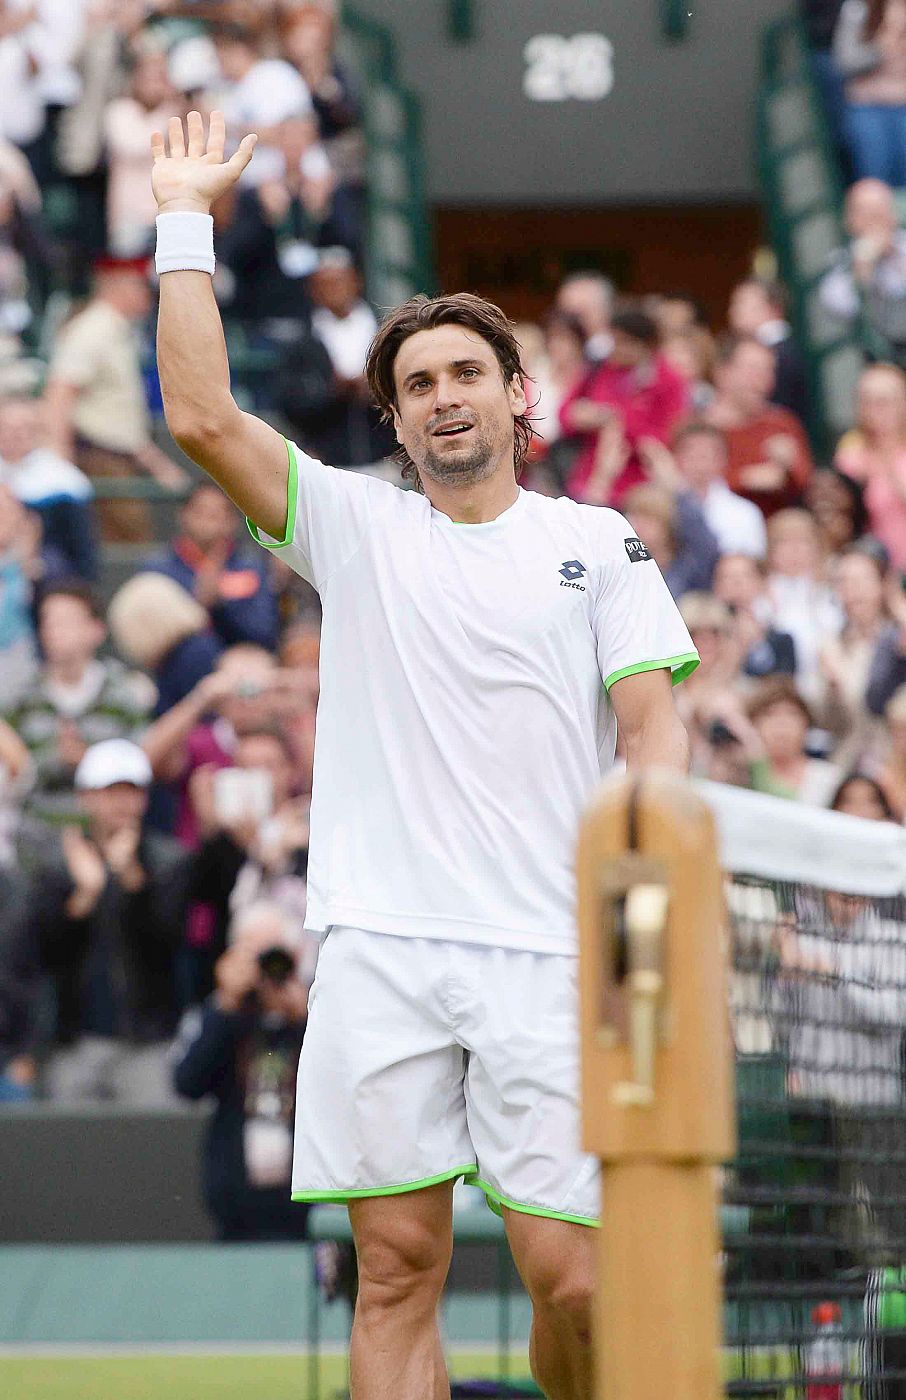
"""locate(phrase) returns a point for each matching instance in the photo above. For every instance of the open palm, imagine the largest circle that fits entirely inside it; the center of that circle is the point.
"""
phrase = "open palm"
(195, 173)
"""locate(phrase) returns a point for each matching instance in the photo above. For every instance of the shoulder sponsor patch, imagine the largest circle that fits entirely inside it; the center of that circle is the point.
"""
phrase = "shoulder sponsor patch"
(636, 550)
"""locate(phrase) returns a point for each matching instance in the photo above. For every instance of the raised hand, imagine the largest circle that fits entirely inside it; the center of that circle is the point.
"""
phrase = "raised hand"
(195, 173)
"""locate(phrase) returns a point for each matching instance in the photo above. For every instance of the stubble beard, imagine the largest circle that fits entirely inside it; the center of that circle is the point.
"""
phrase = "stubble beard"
(459, 470)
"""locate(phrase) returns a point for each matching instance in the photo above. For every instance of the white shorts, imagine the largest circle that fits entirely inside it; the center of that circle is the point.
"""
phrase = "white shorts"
(425, 1061)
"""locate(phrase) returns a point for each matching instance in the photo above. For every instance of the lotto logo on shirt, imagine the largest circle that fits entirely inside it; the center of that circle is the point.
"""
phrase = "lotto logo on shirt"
(636, 550)
(572, 570)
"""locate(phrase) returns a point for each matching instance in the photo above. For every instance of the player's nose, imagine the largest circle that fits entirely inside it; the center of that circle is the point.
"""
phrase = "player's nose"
(447, 394)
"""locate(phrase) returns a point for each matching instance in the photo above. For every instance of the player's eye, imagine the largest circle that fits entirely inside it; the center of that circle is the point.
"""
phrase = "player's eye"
(471, 372)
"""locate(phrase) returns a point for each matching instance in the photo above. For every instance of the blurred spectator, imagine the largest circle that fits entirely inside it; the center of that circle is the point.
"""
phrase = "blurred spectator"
(308, 39)
(29, 260)
(802, 602)
(673, 530)
(887, 672)
(861, 796)
(780, 721)
(847, 660)
(873, 453)
(48, 484)
(740, 582)
(109, 918)
(230, 582)
(676, 313)
(589, 298)
(837, 506)
(159, 627)
(555, 370)
(702, 704)
(17, 638)
(246, 690)
(870, 50)
(15, 778)
(890, 771)
(18, 990)
(691, 353)
(758, 308)
(700, 451)
(242, 1047)
(97, 414)
(769, 458)
(22, 102)
(259, 95)
(321, 385)
(865, 287)
(820, 17)
(129, 123)
(76, 700)
(271, 245)
(255, 835)
(636, 388)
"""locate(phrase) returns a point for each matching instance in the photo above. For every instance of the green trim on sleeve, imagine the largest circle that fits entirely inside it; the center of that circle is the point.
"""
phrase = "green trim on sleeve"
(496, 1202)
(340, 1196)
(680, 667)
(292, 498)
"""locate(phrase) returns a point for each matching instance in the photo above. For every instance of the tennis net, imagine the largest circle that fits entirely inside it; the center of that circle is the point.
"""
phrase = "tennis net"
(814, 1215)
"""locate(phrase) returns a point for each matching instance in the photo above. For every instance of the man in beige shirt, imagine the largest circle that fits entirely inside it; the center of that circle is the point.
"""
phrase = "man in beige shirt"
(95, 398)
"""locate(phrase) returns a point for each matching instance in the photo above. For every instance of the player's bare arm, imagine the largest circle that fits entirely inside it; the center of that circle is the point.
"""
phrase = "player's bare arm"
(245, 456)
(652, 731)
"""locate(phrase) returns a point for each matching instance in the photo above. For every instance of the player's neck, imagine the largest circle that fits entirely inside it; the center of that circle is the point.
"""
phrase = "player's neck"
(476, 504)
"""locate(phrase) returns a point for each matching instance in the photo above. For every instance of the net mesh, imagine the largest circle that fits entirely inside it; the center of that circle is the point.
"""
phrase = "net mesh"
(814, 1213)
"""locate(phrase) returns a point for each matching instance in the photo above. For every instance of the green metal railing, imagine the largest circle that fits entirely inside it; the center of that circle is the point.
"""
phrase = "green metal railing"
(399, 256)
(675, 18)
(802, 191)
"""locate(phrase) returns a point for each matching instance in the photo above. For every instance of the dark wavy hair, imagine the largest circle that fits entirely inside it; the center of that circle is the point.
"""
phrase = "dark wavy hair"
(422, 313)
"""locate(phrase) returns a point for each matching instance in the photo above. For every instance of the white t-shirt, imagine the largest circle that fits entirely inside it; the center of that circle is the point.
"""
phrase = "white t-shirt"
(346, 338)
(271, 92)
(737, 524)
(463, 724)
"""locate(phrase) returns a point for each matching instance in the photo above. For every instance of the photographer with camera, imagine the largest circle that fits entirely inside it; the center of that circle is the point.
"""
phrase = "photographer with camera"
(242, 1047)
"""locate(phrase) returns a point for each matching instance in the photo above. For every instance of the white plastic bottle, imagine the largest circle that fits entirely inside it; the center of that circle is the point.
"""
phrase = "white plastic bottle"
(825, 1355)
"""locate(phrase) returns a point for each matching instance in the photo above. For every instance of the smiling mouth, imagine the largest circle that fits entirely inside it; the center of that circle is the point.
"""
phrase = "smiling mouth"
(452, 430)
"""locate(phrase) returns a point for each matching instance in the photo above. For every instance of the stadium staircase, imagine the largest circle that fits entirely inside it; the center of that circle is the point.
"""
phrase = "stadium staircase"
(802, 189)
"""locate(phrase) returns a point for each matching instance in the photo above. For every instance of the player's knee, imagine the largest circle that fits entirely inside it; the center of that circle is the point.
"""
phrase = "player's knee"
(407, 1265)
(565, 1294)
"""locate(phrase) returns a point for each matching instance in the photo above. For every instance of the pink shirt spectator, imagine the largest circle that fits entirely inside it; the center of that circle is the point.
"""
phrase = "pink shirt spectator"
(651, 405)
(884, 480)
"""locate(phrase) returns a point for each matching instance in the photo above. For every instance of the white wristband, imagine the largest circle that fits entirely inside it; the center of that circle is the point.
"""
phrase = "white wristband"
(185, 243)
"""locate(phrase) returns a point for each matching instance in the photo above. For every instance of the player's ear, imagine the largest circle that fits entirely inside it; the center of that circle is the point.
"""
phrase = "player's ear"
(397, 427)
(516, 395)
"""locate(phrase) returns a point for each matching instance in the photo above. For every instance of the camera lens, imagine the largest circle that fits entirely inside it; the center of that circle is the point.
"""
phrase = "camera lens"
(277, 965)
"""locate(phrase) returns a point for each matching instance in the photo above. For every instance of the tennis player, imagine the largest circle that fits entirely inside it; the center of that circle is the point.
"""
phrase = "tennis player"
(480, 646)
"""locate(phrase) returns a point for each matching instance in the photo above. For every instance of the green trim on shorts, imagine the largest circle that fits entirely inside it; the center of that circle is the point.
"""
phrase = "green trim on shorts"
(292, 499)
(496, 1201)
(680, 668)
(340, 1196)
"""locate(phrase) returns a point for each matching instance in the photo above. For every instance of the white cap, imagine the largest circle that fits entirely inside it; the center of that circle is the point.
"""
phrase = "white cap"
(193, 64)
(113, 761)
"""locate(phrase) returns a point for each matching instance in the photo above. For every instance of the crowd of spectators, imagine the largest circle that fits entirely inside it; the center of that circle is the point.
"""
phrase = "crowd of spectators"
(156, 744)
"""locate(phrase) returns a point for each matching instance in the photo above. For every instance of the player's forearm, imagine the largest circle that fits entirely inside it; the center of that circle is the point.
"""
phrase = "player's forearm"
(661, 745)
(192, 362)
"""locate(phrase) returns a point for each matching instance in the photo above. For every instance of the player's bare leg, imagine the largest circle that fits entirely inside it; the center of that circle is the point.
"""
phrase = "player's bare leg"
(404, 1245)
(556, 1264)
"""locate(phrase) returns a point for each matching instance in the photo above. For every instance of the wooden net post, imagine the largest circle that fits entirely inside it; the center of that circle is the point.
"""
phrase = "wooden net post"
(657, 1083)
